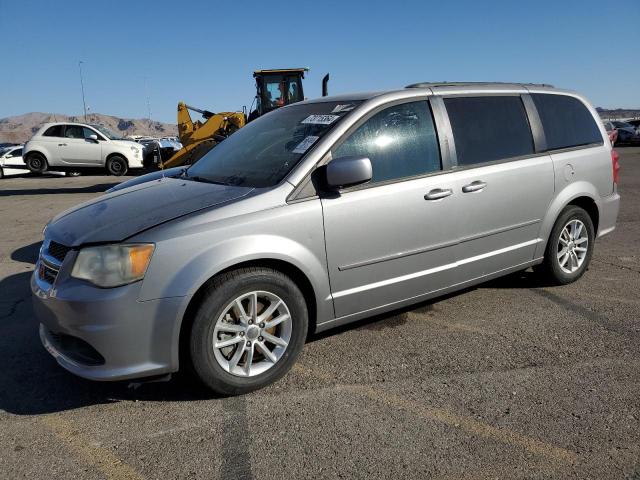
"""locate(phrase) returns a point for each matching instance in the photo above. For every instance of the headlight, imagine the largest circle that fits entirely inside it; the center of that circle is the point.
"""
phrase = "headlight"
(113, 265)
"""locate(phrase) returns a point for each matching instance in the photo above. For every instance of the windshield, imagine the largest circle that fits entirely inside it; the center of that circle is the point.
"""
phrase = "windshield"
(262, 153)
(107, 133)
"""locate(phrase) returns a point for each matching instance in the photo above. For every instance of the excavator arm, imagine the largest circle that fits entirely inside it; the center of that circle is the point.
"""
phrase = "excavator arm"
(198, 138)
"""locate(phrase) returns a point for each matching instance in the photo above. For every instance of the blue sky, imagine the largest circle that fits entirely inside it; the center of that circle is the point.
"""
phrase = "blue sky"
(203, 52)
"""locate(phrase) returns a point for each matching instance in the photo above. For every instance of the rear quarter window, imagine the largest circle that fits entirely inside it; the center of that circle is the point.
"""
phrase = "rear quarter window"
(566, 121)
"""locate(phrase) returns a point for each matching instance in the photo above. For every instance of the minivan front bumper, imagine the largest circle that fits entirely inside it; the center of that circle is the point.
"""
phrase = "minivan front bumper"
(107, 334)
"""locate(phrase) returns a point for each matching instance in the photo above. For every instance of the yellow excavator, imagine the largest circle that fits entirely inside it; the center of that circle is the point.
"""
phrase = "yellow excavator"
(275, 88)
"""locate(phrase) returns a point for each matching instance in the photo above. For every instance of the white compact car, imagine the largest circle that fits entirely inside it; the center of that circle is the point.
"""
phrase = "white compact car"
(11, 161)
(76, 146)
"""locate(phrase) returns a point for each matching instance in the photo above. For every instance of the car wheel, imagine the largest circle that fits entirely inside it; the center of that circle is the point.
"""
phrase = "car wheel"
(117, 166)
(247, 331)
(569, 248)
(36, 163)
(1, 173)
(72, 173)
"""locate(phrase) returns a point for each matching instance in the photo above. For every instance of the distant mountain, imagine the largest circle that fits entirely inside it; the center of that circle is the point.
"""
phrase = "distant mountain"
(20, 128)
(621, 113)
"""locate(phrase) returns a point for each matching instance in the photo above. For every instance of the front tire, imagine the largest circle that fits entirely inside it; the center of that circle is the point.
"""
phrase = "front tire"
(117, 166)
(247, 331)
(37, 163)
(570, 247)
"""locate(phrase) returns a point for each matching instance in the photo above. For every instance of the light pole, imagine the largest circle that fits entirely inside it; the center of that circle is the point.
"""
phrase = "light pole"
(146, 88)
(84, 105)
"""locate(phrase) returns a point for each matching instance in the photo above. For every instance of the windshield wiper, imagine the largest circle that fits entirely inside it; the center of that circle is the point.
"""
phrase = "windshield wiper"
(202, 179)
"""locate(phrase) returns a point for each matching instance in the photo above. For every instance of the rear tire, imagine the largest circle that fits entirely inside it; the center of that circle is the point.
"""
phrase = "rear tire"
(117, 166)
(566, 257)
(244, 365)
(37, 163)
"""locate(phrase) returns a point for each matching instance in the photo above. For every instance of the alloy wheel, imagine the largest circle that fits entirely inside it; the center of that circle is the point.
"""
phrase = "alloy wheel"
(573, 245)
(252, 333)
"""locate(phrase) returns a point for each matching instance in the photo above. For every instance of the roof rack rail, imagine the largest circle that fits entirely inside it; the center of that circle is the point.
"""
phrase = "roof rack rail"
(463, 84)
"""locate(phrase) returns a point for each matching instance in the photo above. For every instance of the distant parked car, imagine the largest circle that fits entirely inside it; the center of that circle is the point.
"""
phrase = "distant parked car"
(635, 124)
(11, 161)
(158, 150)
(6, 145)
(611, 131)
(75, 146)
(627, 133)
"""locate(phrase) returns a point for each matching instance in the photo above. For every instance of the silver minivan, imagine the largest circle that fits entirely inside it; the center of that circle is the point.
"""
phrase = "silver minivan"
(318, 214)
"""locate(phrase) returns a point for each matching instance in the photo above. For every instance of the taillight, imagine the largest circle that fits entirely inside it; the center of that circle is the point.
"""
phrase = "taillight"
(615, 164)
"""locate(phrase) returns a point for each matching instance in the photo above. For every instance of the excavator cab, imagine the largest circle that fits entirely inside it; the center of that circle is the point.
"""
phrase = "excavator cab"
(277, 88)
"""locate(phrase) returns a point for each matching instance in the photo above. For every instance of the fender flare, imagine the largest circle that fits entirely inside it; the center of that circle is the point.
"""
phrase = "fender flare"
(566, 196)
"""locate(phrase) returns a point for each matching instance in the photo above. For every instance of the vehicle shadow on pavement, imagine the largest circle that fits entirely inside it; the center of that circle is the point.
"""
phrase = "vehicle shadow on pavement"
(98, 188)
(27, 254)
(518, 280)
(32, 383)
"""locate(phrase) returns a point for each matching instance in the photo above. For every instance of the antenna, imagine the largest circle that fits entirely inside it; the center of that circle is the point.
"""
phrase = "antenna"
(146, 89)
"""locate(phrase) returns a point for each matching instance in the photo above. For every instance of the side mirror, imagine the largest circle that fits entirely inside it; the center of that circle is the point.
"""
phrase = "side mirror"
(93, 137)
(348, 171)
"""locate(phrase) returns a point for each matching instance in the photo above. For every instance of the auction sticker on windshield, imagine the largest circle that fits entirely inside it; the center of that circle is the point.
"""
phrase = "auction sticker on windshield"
(304, 145)
(321, 119)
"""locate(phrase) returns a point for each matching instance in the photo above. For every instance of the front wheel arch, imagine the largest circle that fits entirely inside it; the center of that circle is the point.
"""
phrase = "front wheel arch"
(286, 268)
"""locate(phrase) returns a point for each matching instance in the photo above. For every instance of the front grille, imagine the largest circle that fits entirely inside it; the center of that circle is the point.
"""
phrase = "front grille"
(58, 251)
(47, 273)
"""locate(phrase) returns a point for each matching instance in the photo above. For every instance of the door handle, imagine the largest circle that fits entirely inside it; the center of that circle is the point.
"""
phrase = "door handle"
(438, 193)
(62, 144)
(474, 186)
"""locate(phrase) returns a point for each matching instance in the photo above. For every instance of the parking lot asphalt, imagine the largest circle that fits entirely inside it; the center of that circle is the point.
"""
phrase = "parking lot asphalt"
(510, 379)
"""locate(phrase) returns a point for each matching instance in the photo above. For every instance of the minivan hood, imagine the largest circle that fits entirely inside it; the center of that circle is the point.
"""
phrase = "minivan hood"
(121, 214)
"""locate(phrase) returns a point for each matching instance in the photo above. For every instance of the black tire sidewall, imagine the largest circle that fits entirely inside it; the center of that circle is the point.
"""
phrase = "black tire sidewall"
(203, 361)
(553, 267)
(117, 159)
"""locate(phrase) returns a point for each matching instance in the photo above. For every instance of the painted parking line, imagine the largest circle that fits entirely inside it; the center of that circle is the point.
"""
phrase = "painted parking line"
(468, 424)
(90, 454)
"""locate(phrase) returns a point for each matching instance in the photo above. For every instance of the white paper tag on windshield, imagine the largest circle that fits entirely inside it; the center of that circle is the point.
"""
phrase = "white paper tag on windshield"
(321, 119)
(304, 145)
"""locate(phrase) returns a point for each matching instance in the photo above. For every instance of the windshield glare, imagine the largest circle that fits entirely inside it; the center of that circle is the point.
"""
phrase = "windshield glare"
(262, 153)
(107, 133)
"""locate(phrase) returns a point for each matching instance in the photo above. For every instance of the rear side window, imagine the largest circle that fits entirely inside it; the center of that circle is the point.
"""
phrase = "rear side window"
(486, 129)
(55, 131)
(74, 131)
(566, 121)
(400, 141)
